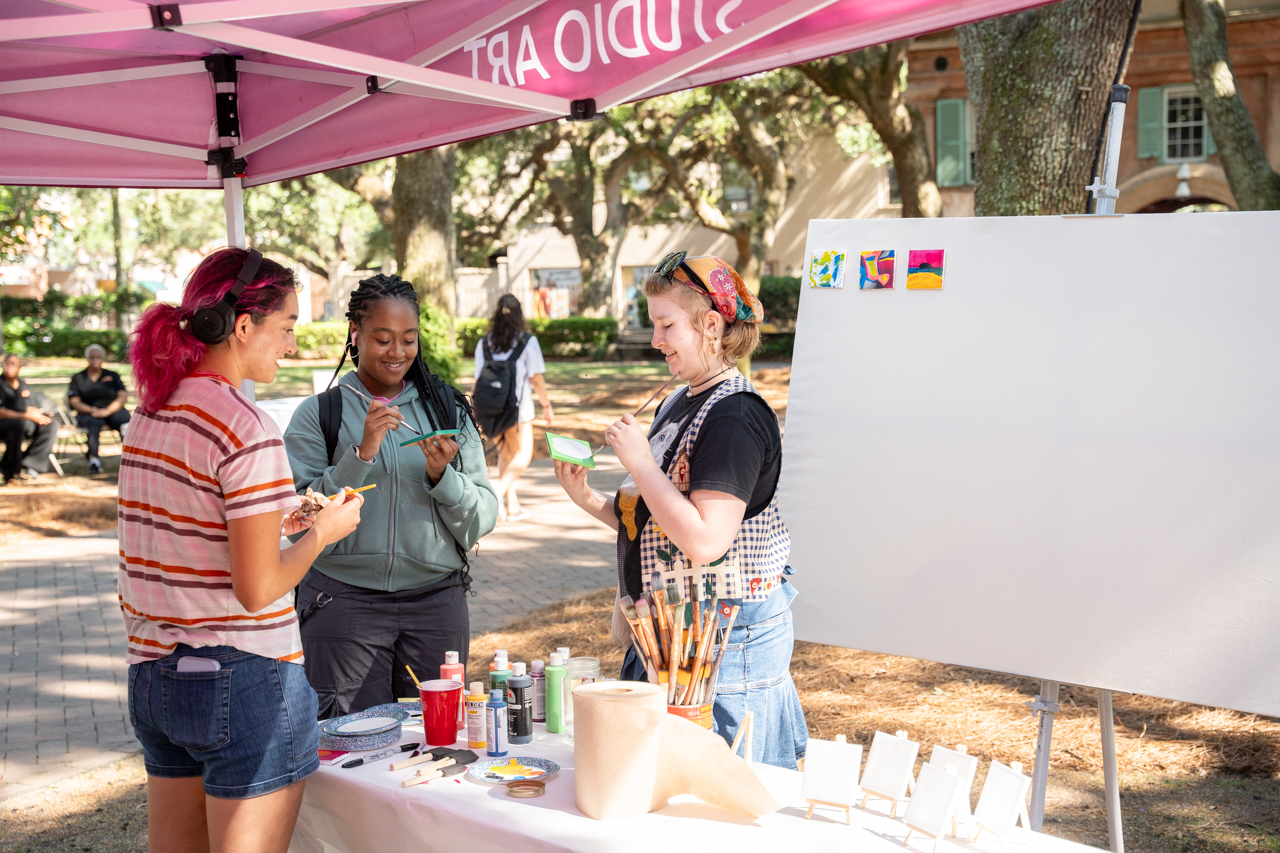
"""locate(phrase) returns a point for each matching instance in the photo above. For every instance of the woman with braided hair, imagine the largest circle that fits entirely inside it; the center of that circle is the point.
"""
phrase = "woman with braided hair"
(394, 592)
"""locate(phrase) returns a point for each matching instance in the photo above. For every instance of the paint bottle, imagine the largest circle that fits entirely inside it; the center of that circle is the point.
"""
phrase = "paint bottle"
(498, 678)
(555, 693)
(476, 699)
(538, 672)
(564, 654)
(498, 655)
(455, 671)
(519, 705)
(495, 716)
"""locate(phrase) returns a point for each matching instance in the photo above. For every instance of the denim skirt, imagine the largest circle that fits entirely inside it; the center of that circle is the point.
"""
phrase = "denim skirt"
(247, 730)
(756, 676)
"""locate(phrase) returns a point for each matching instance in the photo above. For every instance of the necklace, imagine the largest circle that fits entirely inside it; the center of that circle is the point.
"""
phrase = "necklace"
(706, 381)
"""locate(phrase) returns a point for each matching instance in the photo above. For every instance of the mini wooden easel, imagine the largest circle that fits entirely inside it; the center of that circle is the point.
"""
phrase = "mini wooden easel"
(848, 819)
(744, 729)
(933, 804)
(894, 800)
(1023, 816)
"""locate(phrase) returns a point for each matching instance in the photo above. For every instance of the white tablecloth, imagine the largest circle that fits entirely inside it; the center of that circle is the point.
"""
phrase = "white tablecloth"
(364, 810)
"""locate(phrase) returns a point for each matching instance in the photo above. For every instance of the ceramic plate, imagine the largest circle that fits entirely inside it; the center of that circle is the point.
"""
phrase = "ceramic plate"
(500, 771)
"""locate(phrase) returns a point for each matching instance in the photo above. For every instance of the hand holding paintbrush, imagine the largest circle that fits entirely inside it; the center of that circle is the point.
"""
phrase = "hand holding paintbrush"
(637, 412)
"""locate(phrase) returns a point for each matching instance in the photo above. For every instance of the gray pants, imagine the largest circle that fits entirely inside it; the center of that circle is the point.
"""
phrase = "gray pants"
(357, 641)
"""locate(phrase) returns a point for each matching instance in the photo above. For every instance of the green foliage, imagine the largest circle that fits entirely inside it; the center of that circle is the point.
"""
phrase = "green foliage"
(780, 296)
(775, 346)
(567, 337)
(642, 310)
(60, 308)
(313, 222)
(436, 343)
(28, 337)
(320, 340)
(27, 220)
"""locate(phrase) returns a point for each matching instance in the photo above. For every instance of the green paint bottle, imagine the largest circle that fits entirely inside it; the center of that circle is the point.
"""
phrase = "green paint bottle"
(498, 678)
(556, 671)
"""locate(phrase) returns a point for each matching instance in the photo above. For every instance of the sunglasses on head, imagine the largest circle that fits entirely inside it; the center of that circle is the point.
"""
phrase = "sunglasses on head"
(675, 261)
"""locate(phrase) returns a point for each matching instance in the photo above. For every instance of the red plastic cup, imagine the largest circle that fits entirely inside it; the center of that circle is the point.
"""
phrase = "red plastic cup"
(440, 700)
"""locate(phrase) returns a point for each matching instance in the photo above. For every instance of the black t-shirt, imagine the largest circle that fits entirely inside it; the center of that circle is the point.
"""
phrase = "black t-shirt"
(96, 394)
(15, 399)
(738, 451)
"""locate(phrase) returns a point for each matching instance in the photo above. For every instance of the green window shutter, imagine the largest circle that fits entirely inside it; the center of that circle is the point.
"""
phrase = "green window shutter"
(953, 166)
(1150, 121)
(1209, 147)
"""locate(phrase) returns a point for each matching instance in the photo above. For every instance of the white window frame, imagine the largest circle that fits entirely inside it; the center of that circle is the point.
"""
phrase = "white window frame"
(970, 144)
(1181, 92)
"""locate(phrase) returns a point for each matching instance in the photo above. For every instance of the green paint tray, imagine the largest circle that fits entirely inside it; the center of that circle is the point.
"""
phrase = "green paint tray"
(567, 449)
(416, 439)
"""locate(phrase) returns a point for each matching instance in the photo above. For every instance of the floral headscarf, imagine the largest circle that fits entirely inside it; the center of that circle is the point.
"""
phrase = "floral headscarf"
(725, 287)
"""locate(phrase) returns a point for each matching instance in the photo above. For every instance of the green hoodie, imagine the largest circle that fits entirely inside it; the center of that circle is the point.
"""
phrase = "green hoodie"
(407, 526)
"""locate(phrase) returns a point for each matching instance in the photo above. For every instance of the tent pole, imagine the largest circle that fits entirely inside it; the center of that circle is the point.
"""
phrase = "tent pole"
(233, 201)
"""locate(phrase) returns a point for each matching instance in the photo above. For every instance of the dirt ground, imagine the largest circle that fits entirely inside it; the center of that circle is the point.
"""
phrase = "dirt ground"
(1192, 778)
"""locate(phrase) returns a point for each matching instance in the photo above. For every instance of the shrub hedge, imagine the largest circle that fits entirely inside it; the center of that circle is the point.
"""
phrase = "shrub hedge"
(38, 338)
(780, 296)
(326, 339)
(570, 336)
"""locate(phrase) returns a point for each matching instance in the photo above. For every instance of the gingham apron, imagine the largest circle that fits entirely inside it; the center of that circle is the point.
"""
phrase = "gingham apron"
(751, 568)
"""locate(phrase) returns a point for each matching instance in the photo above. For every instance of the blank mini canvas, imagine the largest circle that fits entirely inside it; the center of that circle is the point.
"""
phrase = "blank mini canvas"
(932, 801)
(831, 771)
(875, 270)
(966, 768)
(924, 269)
(1003, 796)
(889, 766)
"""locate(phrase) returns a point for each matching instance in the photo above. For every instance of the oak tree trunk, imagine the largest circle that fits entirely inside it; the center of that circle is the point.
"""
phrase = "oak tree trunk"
(1254, 183)
(871, 79)
(423, 226)
(1039, 81)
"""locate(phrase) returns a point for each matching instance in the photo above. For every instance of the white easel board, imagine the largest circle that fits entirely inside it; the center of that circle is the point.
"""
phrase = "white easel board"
(1065, 464)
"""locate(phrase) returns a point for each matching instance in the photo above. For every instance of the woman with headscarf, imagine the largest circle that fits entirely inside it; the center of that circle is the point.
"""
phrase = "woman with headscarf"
(701, 490)
(98, 395)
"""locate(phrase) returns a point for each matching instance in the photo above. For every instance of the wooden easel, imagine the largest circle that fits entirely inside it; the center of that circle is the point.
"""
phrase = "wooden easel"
(893, 801)
(848, 818)
(745, 729)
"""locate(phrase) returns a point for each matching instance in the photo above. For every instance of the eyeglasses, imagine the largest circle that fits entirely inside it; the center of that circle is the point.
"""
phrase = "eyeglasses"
(675, 261)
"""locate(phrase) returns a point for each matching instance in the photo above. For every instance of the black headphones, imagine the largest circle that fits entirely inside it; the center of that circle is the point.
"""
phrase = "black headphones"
(214, 325)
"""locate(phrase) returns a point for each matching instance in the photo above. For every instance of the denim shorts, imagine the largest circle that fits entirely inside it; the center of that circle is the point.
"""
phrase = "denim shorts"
(247, 730)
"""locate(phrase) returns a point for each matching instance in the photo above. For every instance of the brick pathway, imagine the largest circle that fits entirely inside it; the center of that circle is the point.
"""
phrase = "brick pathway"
(62, 645)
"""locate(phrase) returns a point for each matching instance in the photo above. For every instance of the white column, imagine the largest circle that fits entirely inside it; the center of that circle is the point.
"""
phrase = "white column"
(233, 201)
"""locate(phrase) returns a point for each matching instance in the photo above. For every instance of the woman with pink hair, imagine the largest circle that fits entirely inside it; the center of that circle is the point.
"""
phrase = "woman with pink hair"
(205, 494)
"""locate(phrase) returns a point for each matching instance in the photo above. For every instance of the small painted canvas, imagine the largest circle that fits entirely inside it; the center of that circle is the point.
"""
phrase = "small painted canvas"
(924, 269)
(826, 269)
(876, 270)
(889, 766)
(567, 449)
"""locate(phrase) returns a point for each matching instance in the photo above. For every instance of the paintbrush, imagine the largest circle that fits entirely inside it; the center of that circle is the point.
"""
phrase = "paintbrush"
(715, 670)
(646, 625)
(660, 610)
(421, 758)
(370, 401)
(674, 661)
(416, 682)
(642, 642)
(637, 412)
(699, 661)
(453, 756)
(353, 491)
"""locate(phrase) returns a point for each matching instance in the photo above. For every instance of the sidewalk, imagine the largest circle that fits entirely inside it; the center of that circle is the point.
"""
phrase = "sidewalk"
(62, 642)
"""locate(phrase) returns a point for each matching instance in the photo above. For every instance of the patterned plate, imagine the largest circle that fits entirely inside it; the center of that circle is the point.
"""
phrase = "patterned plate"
(500, 771)
(349, 734)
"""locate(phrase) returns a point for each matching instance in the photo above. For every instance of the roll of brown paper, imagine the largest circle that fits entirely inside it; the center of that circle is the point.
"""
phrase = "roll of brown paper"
(617, 735)
(631, 756)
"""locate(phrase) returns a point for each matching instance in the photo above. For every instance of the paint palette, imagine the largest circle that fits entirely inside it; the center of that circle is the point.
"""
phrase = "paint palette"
(568, 449)
(500, 771)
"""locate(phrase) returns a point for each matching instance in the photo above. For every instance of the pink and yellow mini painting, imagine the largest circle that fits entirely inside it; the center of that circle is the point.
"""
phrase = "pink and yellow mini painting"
(876, 270)
(924, 269)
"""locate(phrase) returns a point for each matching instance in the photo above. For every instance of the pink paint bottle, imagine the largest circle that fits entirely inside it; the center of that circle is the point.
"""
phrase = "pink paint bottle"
(455, 671)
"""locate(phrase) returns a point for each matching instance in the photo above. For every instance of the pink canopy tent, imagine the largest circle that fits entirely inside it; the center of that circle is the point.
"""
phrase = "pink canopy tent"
(234, 93)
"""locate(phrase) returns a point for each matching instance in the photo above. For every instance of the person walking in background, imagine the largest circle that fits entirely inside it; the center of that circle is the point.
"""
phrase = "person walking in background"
(20, 420)
(217, 693)
(97, 395)
(509, 371)
(395, 593)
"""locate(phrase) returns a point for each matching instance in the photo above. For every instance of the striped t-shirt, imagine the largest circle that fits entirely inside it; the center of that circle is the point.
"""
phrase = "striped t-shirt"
(207, 456)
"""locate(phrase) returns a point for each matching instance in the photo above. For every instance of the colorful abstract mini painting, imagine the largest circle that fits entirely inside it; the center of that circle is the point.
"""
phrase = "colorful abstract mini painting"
(827, 270)
(877, 270)
(924, 269)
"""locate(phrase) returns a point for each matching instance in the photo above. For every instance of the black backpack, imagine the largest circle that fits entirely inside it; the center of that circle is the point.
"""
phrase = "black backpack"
(495, 397)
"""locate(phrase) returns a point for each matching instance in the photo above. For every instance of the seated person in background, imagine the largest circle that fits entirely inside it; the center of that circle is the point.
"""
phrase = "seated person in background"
(98, 396)
(21, 419)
